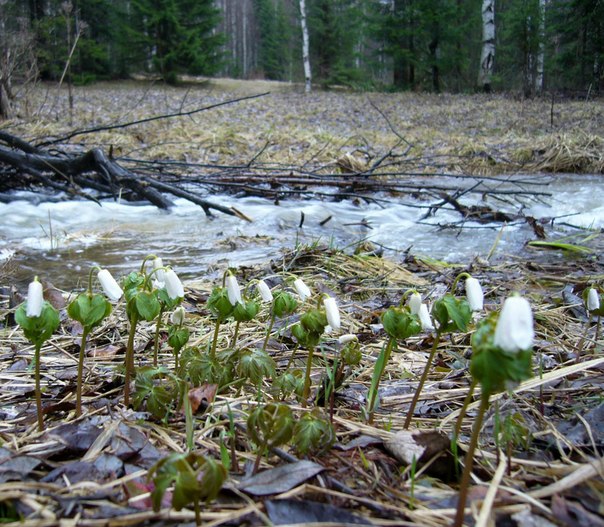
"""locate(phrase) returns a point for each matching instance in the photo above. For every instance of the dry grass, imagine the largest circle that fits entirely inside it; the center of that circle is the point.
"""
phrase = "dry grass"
(476, 134)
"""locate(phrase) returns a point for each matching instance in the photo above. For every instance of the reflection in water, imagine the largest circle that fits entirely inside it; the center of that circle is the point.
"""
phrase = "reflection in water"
(60, 241)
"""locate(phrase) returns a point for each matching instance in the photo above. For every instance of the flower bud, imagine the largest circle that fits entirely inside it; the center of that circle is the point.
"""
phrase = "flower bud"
(233, 290)
(332, 313)
(424, 318)
(265, 291)
(514, 331)
(415, 301)
(474, 294)
(593, 299)
(160, 273)
(35, 299)
(178, 316)
(110, 287)
(173, 285)
(302, 289)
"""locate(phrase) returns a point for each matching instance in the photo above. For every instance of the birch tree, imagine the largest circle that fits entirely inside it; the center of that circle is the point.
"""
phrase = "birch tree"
(305, 48)
(541, 50)
(487, 56)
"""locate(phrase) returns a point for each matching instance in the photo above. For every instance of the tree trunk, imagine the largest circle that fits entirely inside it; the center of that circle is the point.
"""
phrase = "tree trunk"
(487, 56)
(541, 51)
(305, 48)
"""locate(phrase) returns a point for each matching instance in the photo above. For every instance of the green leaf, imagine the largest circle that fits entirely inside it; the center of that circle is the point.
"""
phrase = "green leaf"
(452, 314)
(314, 433)
(38, 329)
(400, 324)
(245, 312)
(256, 365)
(157, 388)
(219, 303)
(147, 305)
(314, 321)
(568, 247)
(495, 369)
(270, 425)
(178, 337)
(284, 304)
(89, 310)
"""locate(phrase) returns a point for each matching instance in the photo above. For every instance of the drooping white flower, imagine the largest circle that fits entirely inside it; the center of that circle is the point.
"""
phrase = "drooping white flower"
(302, 289)
(173, 285)
(178, 316)
(35, 299)
(265, 291)
(110, 286)
(593, 299)
(347, 338)
(415, 302)
(332, 312)
(474, 294)
(160, 273)
(514, 331)
(233, 290)
(424, 318)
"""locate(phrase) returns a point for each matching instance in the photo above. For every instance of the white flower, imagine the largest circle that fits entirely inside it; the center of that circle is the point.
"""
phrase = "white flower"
(178, 316)
(415, 301)
(474, 294)
(159, 274)
(345, 339)
(514, 331)
(265, 291)
(331, 312)
(110, 286)
(233, 290)
(302, 289)
(173, 284)
(593, 299)
(424, 318)
(35, 299)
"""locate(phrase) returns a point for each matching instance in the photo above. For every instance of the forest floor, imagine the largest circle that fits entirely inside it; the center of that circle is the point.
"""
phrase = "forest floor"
(540, 451)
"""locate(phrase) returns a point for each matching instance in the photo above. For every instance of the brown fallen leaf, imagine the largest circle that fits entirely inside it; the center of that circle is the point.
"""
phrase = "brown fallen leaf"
(105, 352)
(203, 394)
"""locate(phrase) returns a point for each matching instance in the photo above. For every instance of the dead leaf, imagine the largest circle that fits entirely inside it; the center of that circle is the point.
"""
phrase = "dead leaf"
(203, 394)
(280, 479)
(14, 467)
(421, 445)
(105, 352)
(573, 514)
(289, 512)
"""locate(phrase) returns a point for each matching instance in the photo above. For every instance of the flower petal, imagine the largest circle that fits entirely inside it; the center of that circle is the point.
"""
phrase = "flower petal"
(514, 331)
(173, 285)
(110, 286)
(35, 299)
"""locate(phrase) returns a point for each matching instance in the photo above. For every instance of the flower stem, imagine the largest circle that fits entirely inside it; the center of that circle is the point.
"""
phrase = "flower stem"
(462, 412)
(129, 360)
(377, 377)
(306, 391)
(156, 338)
(38, 392)
(215, 340)
(235, 335)
(421, 382)
(467, 470)
(268, 332)
(80, 380)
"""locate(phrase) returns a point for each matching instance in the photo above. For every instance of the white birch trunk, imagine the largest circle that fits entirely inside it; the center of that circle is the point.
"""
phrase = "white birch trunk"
(487, 56)
(541, 52)
(305, 48)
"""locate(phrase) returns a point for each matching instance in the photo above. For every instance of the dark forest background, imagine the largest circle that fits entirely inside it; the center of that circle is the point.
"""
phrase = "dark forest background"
(431, 45)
